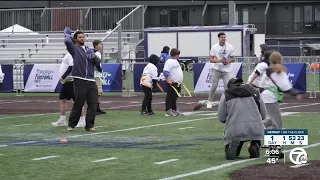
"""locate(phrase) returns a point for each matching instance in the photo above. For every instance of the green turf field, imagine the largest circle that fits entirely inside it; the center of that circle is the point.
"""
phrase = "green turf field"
(135, 142)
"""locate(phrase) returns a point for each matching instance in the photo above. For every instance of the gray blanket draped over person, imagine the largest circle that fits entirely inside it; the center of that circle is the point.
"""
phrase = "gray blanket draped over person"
(242, 111)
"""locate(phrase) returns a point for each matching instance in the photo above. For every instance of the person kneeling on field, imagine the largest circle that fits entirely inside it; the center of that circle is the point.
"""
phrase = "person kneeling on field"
(242, 111)
(148, 82)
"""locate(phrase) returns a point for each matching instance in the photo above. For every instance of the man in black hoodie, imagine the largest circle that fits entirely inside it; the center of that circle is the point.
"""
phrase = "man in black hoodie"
(242, 111)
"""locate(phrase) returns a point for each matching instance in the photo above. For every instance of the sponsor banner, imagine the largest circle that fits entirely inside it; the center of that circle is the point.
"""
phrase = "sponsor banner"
(202, 76)
(41, 77)
(45, 78)
(112, 78)
(7, 82)
(137, 72)
(297, 75)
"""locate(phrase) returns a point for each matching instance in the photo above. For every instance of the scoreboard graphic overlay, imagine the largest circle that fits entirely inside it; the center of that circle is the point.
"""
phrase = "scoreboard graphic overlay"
(278, 138)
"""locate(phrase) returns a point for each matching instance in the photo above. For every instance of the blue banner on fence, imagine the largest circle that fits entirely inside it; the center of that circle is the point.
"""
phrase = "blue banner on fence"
(202, 76)
(7, 84)
(112, 78)
(45, 78)
(297, 75)
(138, 70)
(41, 78)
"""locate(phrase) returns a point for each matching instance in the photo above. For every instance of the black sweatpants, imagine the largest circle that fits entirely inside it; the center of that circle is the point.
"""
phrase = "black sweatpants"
(147, 100)
(84, 91)
(171, 98)
(240, 146)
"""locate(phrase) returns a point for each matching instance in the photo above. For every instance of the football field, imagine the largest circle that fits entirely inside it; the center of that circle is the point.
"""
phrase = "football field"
(127, 145)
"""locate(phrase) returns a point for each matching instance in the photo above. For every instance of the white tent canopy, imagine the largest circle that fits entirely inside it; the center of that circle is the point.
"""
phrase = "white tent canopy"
(17, 29)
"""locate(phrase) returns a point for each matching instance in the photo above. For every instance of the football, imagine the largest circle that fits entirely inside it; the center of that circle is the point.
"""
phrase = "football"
(197, 106)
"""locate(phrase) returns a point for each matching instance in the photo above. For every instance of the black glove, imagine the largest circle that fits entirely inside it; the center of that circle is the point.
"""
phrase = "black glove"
(154, 83)
(99, 68)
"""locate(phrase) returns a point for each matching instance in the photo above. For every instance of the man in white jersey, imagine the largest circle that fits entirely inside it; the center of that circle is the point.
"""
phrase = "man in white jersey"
(66, 92)
(221, 55)
(174, 76)
(97, 45)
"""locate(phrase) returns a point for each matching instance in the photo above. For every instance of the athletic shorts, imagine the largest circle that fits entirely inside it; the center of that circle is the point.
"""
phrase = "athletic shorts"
(99, 85)
(67, 91)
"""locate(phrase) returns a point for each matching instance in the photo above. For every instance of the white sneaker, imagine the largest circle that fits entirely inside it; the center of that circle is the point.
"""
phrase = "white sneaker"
(215, 103)
(170, 113)
(59, 123)
(81, 123)
(209, 105)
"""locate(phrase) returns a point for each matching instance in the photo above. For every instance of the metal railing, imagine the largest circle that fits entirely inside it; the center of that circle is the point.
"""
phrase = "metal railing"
(248, 63)
(56, 19)
(131, 25)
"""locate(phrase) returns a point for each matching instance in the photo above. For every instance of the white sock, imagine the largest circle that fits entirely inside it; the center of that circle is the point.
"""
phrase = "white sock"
(62, 118)
(82, 119)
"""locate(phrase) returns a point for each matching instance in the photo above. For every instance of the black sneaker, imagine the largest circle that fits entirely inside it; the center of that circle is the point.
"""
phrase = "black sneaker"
(232, 150)
(151, 113)
(143, 113)
(254, 150)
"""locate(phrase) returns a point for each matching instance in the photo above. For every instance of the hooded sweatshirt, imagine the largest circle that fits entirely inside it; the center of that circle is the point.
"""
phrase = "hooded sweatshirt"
(242, 113)
(84, 60)
(150, 72)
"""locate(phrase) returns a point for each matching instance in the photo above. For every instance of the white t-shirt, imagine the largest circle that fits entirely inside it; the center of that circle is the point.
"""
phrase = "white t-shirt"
(66, 62)
(261, 68)
(1, 75)
(282, 81)
(173, 66)
(225, 51)
(149, 73)
(96, 72)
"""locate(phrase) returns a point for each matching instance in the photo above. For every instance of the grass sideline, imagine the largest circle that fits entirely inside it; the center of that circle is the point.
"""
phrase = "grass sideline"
(137, 150)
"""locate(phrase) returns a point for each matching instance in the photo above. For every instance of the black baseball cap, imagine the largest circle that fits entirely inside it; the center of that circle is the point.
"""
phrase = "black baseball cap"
(234, 81)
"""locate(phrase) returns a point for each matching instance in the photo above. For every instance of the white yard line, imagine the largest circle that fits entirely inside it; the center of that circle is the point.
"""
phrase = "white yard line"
(22, 125)
(186, 128)
(1, 154)
(214, 168)
(107, 159)
(299, 165)
(25, 142)
(290, 107)
(3, 145)
(121, 130)
(99, 126)
(167, 161)
(140, 127)
(46, 157)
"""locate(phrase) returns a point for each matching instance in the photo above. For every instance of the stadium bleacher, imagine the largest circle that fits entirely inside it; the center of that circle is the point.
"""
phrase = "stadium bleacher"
(50, 48)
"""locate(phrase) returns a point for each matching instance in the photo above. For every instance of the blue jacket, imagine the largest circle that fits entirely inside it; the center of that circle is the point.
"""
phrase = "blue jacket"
(83, 63)
(164, 57)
